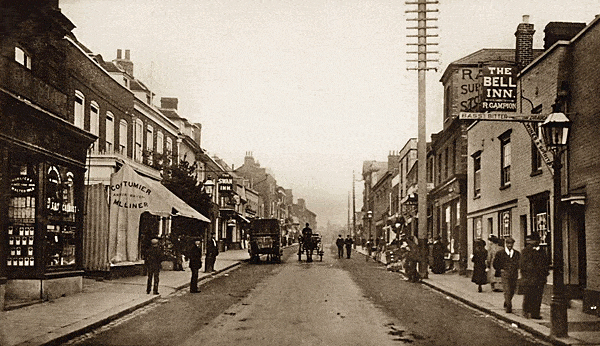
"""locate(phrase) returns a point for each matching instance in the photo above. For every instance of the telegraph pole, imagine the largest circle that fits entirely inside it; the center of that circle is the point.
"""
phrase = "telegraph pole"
(422, 67)
(353, 211)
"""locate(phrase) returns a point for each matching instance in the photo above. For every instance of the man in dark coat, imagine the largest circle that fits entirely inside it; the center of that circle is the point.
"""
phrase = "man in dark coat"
(195, 257)
(348, 243)
(152, 262)
(534, 270)
(340, 245)
(212, 250)
(507, 262)
(307, 242)
(439, 266)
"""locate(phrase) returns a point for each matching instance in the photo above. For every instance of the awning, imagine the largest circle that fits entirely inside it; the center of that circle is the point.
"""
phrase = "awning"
(243, 218)
(167, 203)
(130, 196)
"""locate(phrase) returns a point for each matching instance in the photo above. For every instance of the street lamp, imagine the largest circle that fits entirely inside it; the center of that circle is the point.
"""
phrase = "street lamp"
(555, 131)
(370, 217)
(209, 187)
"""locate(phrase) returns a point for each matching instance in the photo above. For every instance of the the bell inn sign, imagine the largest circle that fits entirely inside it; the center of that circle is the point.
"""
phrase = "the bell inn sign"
(498, 88)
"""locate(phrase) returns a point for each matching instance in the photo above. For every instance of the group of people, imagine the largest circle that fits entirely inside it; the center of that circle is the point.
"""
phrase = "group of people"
(341, 243)
(154, 257)
(503, 265)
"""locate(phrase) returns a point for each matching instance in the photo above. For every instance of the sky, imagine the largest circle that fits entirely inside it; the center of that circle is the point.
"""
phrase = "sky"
(311, 87)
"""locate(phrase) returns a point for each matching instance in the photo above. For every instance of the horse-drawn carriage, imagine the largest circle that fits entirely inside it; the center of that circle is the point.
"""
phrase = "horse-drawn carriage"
(311, 245)
(265, 239)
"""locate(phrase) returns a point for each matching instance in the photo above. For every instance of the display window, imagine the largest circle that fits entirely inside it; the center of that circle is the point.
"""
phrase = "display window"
(61, 213)
(21, 227)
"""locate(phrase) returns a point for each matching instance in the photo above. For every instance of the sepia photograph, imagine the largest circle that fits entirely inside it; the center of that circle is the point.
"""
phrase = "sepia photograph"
(299, 172)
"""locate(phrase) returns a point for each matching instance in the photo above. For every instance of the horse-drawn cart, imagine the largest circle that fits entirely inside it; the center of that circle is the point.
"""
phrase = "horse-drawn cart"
(265, 239)
(309, 246)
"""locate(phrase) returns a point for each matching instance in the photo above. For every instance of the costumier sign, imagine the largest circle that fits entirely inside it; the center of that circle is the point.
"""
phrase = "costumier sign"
(498, 88)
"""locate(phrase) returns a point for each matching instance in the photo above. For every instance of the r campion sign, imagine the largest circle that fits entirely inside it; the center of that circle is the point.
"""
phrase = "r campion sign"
(498, 88)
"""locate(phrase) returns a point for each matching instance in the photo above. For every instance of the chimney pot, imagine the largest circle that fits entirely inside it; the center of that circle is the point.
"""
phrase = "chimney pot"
(126, 54)
(118, 54)
(525, 18)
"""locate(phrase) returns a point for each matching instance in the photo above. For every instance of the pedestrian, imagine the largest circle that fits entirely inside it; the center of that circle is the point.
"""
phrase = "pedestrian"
(507, 262)
(534, 266)
(411, 255)
(348, 243)
(494, 275)
(212, 250)
(340, 245)
(369, 245)
(437, 252)
(479, 259)
(152, 262)
(194, 255)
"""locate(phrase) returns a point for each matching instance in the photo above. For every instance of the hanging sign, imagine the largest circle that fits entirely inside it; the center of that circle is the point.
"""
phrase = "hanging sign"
(498, 88)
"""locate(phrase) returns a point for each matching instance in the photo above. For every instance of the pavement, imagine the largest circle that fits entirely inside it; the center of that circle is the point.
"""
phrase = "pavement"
(56, 321)
(100, 302)
(584, 329)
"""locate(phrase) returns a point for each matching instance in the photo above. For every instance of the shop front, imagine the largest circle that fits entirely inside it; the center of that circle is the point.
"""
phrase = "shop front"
(42, 175)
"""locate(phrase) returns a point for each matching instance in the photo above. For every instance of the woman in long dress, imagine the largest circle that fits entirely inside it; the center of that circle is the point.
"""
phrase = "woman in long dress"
(479, 259)
(495, 281)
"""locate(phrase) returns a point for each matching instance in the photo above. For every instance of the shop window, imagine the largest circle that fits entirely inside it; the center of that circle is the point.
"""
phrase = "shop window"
(21, 228)
(110, 132)
(22, 58)
(505, 223)
(61, 211)
(78, 111)
(123, 137)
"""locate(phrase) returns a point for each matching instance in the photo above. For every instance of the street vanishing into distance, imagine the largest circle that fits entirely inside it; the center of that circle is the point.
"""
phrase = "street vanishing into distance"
(329, 302)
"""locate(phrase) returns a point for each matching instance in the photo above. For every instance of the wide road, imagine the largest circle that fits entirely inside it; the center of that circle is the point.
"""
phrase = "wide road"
(333, 302)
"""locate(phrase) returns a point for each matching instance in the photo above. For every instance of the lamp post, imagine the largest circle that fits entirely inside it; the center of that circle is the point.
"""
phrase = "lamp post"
(555, 131)
(370, 217)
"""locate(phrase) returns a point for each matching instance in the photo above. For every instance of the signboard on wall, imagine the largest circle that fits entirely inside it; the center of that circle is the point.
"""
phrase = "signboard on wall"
(468, 84)
(498, 88)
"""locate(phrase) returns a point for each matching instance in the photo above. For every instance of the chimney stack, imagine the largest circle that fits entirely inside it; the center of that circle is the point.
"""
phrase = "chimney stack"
(169, 102)
(125, 64)
(524, 46)
(559, 31)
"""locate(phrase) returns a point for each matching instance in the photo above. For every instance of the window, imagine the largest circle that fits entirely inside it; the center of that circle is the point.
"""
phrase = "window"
(139, 138)
(477, 174)
(123, 137)
(439, 168)
(477, 228)
(446, 163)
(150, 143)
(170, 150)
(160, 142)
(78, 110)
(505, 157)
(22, 58)
(94, 122)
(110, 131)
(505, 223)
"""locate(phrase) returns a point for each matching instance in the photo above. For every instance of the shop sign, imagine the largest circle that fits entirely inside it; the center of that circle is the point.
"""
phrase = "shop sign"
(468, 85)
(503, 116)
(22, 184)
(225, 184)
(498, 88)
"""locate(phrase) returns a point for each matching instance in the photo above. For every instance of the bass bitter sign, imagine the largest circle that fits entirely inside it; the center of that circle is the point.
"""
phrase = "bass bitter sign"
(503, 116)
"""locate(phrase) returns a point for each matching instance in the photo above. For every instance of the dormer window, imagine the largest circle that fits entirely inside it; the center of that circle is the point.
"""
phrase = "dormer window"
(22, 58)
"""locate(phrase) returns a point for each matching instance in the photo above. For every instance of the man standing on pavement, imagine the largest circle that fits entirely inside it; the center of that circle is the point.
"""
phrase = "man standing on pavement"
(340, 245)
(534, 270)
(307, 242)
(348, 243)
(212, 250)
(507, 262)
(152, 262)
(195, 258)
